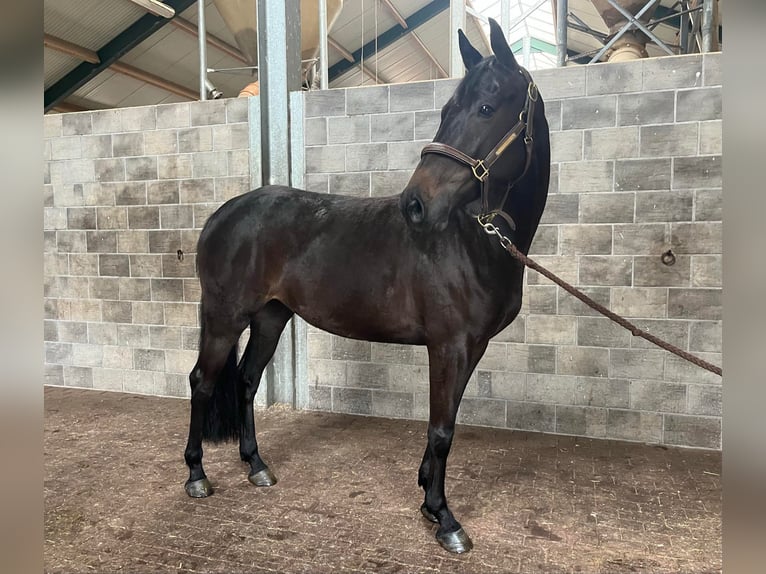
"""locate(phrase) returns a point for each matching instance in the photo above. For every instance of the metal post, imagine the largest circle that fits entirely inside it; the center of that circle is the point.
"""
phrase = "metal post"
(526, 50)
(456, 22)
(707, 25)
(323, 83)
(202, 38)
(562, 14)
(684, 30)
(505, 17)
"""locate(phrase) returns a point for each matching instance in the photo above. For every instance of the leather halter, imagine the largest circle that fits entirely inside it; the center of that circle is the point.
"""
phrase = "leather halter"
(481, 167)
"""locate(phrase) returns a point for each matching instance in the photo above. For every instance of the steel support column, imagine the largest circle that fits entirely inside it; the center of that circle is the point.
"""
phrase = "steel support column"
(505, 17)
(278, 73)
(562, 12)
(323, 67)
(456, 22)
(202, 41)
(707, 25)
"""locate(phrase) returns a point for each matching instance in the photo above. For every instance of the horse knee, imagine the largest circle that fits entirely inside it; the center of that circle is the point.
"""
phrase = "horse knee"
(440, 440)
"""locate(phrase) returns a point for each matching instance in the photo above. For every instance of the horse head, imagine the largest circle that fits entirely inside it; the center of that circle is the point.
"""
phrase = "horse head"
(486, 113)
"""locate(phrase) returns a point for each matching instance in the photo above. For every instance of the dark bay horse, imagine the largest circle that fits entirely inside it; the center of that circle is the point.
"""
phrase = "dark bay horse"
(411, 269)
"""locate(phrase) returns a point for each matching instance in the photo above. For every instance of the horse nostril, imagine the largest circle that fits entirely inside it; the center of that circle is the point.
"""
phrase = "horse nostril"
(415, 210)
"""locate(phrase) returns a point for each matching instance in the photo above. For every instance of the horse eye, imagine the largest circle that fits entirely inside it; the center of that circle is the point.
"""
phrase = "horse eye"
(486, 111)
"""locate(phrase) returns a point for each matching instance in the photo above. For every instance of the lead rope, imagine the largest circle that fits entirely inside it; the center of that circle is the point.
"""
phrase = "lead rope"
(511, 248)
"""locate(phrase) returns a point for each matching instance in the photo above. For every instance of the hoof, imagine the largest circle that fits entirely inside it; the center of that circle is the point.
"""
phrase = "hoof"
(199, 488)
(263, 478)
(456, 542)
(427, 514)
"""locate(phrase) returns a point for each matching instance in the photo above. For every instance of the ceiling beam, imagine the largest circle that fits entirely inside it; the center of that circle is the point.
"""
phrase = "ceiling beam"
(212, 40)
(442, 72)
(72, 49)
(156, 7)
(153, 80)
(395, 13)
(388, 37)
(68, 107)
(343, 52)
(120, 45)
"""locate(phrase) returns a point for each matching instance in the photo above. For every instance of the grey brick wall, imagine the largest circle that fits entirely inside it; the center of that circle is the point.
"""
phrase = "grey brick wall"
(637, 171)
(125, 190)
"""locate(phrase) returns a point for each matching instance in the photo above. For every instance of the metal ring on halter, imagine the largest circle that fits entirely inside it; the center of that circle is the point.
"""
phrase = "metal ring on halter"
(532, 91)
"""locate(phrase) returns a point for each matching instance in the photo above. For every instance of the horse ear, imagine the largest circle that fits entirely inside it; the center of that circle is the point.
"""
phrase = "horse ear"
(471, 55)
(500, 47)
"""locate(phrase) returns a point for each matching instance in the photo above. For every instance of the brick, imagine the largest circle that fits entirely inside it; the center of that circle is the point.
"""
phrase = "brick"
(350, 349)
(179, 362)
(674, 72)
(561, 209)
(542, 301)
(411, 378)
(646, 302)
(87, 355)
(183, 314)
(711, 69)
(504, 385)
(348, 129)
(112, 218)
(699, 104)
(583, 361)
(315, 131)
(202, 213)
(532, 358)
(172, 266)
(607, 208)
(161, 142)
(139, 118)
(697, 238)
(52, 125)
(209, 164)
(705, 336)
(642, 174)
(143, 217)
(325, 103)
(353, 401)
(50, 331)
(134, 290)
(707, 271)
(646, 108)
(195, 140)
(173, 116)
(639, 238)
(443, 90)
(98, 146)
(391, 182)
(108, 170)
(161, 337)
(325, 159)
(581, 421)
(129, 193)
(693, 431)
(320, 398)
(367, 100)
(561, 82)
(208, 112)
(113, 265)
(531, 416)
(167, 289)
(66, 148)
(84, 310)
(549, 389)
(566, 146)
(140, 168)
(657, 396)
(148, 313)
(148, 360)
(58, 353)
(118, 357)
(102, 334)
(393, 127)
(664, 206)
(72, 332)
(695, 304)
(682, 371)
(228, 137)
(353, 184)
(73, 171)
(637, 363)
(553, 114)
(117, 311)
(479, 385)
(650, 271)
(229, 187)
(367, 157)
(404, 155)
(482, 412)
(586, 176)
(101, 241)
(81, 377)
(634, 425)
(545, 241)
(191, 291)
(605, 270)
(564, 266)
(131, 144)
(611, 143)
(669, 140)
(190, 338)
(391, 404)
(411, 96)
(615, 77)
(197, 190)
(711, 137)
(238, 162)
(708, 205)
(426, 124)
(76, 124)
(674, 332)
(551, 329)
(494, 358)
(158, 192)
(695, 172)
(56, 264)
(601, 392)
(588, 113)
(705, 400)
(176, 216)
(54, 375)
(319, 346)
(569, 305)
(601, 332)
(316, 182)
(167, 241)
(236, 110)
(132, 241)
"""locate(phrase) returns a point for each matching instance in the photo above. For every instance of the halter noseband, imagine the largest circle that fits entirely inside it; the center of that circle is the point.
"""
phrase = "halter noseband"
(481, 167)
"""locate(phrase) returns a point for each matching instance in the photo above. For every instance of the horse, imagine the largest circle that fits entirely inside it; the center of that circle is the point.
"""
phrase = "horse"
(414, 268)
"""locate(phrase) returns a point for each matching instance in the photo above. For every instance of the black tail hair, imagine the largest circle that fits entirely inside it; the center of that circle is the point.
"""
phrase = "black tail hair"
(223, 417)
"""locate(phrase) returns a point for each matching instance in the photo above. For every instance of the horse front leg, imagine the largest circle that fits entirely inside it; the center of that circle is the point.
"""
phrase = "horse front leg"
(450, 368)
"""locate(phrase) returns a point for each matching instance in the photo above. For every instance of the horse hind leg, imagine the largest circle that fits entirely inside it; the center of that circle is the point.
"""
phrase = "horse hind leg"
(265, 329)
(213, 373)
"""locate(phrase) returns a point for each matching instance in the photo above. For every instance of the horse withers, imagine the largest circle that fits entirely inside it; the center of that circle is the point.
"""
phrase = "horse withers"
(410, 269)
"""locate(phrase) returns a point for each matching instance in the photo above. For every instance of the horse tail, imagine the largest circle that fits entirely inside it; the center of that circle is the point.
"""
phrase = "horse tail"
(223, 417)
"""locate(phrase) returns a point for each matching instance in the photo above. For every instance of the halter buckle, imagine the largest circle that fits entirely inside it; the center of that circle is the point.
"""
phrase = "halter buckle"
(532, 91)
(480, 175)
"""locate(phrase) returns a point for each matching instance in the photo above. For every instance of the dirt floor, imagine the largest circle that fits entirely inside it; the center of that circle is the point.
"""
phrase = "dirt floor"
(347, 498)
